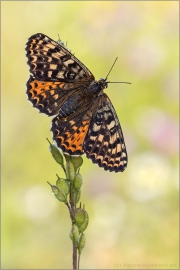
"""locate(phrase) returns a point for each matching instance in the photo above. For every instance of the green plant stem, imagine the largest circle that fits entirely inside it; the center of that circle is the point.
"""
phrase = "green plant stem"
(72, 209)
(74, 257)
(70, 212)
(78, 262)
(71, 187)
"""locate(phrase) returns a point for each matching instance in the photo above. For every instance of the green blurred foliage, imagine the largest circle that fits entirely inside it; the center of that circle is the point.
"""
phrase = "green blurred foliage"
(133, 215)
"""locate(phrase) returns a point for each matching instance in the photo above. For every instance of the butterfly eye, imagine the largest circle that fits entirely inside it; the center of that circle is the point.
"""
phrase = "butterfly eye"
(103, 83)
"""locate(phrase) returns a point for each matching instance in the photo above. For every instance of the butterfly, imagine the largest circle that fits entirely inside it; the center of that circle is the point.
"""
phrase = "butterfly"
(85, 120)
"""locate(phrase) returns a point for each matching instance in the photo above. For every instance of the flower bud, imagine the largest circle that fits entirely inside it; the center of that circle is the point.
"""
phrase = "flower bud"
(77, 181)
(77, 162)
(62, 185)
(67, 157)
(58, 193)
(70, 172)
(56, 153)
(74, 234)
(81, 219)
(76, 195)
(81, 244)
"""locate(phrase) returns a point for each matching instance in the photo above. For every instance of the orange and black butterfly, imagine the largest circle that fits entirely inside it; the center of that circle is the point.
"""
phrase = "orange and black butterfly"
(85, 120)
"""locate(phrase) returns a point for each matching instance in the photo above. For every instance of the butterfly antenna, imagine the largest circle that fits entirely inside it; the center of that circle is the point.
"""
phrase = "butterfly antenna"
(111, 68)
(110, 71)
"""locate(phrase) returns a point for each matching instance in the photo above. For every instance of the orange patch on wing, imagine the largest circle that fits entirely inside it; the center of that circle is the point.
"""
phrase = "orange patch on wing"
(40, 88)
(73, 140)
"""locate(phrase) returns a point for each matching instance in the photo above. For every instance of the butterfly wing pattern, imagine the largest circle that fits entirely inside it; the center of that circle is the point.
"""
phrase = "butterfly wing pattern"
(85, 120)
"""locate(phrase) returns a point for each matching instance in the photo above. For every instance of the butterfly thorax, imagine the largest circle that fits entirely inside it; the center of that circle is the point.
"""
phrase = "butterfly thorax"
(85, 97)
(97, 86)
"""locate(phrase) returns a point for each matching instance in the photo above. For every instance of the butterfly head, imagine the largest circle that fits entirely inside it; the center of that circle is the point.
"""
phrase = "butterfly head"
(103, 83)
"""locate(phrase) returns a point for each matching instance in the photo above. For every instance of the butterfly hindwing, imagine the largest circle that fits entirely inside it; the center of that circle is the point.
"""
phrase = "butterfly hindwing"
(104, 143)
(95, 131)
(70, 132)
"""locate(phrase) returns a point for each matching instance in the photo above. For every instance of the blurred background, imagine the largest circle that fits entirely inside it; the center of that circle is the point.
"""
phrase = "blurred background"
(134, 214)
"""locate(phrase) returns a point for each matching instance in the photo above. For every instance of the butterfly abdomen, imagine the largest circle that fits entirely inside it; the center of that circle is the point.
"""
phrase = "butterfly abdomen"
(70, 106)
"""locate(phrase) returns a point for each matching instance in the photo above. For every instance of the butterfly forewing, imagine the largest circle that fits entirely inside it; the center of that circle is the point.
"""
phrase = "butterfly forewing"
(85, 120)
(49, 61)
(57, 74)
